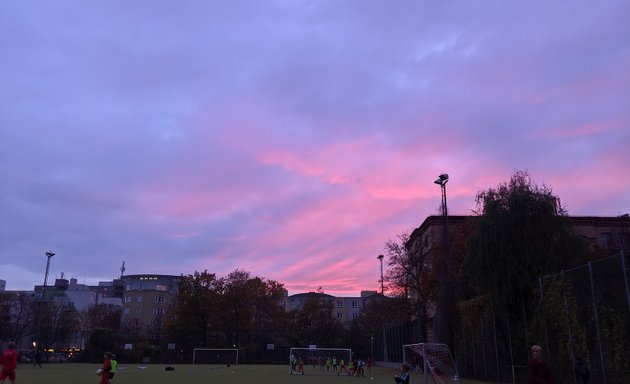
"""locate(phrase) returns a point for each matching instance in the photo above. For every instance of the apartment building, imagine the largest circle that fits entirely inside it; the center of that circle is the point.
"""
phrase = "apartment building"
(600, 232)
(345, 309)
(146, 299)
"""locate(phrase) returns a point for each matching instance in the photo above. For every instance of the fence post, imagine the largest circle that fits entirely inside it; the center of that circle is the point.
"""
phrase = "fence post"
(596, 313)
(569, 330)
(483, 352)
(544, 317)
(511, 350)
(496, 346)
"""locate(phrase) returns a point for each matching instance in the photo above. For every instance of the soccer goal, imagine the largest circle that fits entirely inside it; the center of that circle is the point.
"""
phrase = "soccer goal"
(433, 360)
(217, 356)
(319, 361)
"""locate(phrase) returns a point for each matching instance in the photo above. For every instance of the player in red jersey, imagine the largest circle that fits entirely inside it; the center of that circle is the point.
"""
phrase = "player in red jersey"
(9, 363)
(107, 367)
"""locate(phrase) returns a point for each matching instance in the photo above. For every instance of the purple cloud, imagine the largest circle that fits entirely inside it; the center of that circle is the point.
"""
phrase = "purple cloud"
(292, 139)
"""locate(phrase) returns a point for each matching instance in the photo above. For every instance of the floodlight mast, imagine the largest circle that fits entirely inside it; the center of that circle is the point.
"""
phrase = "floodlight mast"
(441, 181)
(380, 257)
(49, 255)
(444, 312)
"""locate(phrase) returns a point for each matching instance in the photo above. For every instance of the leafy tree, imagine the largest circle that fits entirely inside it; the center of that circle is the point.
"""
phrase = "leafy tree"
(59, 321)
(314, 323)
(17, 312)
(99, 316)
(250, 308)
(521, 232)
(194, 317)
(410, 275)
(100, 341)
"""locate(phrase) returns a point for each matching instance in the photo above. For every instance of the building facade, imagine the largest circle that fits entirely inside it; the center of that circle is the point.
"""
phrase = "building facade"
(345, 309)
(147, 299)
(426, 242)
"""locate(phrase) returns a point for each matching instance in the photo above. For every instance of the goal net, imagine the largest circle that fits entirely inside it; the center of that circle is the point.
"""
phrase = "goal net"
(319, 361)
(217, 356)
(433, 360)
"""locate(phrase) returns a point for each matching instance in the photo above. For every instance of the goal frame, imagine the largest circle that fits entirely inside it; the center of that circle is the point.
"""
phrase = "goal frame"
(319, 353)
(431, 362)
(215, 349)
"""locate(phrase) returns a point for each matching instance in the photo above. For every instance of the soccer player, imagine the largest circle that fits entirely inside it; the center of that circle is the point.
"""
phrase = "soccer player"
(334, 363)
(291, 358)
(112, 372)
(301, 366)
(538, 371)
(342, 366)
(404, 377)
(360, 370)
(9, 363)
(106, 369)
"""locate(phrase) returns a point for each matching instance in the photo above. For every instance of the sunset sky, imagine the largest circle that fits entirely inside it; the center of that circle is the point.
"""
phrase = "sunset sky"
(292, 139)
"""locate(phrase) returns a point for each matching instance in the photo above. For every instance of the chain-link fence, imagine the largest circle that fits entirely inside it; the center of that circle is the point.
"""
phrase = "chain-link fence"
(583, 312)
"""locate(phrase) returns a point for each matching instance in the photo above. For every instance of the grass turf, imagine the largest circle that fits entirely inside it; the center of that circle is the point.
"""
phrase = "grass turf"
(77, 373)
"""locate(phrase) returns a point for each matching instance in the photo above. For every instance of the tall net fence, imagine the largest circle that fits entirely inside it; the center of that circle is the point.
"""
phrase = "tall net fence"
(583, 312)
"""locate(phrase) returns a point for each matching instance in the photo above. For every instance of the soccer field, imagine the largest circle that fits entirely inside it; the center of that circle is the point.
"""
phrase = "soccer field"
(77, 373)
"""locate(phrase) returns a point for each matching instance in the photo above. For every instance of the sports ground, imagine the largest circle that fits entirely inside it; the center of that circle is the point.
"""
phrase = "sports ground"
(78, 373)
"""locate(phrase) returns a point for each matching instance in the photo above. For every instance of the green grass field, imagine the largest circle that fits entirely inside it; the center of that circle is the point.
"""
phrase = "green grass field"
(77, 373)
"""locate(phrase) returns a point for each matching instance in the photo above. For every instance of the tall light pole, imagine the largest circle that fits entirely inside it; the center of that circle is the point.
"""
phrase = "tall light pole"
(40, 303)
(380, 257)
(443, 320)
(49, 255)
(441, 181)
(385, 358)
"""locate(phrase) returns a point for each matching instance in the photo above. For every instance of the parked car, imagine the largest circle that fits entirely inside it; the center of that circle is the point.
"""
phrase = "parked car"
(58, 358)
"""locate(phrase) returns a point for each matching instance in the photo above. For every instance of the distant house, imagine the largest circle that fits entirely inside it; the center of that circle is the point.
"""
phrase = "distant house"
(345, 309)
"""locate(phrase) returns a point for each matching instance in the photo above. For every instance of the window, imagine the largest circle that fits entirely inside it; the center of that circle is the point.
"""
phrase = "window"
(158, 311)
(127, 299)
(137, 322)
(156, 323)
(339, 315)
(138, 311)
(128, 287)
(606, 240)
(339, 304)
(355, 304)
(125, 323)
(139, 299)
(126, 311)
(355, 315)
(159, 299)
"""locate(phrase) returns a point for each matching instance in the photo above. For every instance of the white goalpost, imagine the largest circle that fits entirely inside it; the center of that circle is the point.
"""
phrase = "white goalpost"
(215, 356)
(319, 361)
(434, 360)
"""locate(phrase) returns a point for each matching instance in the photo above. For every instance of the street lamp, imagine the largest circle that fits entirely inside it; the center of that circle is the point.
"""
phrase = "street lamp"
(380, 257)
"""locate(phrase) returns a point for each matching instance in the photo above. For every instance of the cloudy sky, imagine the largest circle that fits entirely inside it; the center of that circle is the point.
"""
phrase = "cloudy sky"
(290, 138)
